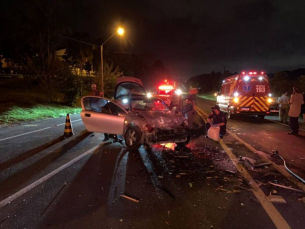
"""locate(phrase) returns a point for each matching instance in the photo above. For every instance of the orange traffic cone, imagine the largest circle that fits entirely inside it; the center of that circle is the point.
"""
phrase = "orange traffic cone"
(68, 128)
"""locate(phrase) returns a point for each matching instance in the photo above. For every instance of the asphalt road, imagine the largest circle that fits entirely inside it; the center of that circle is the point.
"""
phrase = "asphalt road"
(47, 181)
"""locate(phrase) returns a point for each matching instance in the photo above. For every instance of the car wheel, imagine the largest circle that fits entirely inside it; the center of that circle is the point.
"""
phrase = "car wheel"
(180, 144)
(132, 137)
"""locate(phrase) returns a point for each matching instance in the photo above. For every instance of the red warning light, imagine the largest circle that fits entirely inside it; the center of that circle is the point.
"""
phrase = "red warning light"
(166, 87)
(254, 73)
(250, 73)
(262, 73)
(243, 73)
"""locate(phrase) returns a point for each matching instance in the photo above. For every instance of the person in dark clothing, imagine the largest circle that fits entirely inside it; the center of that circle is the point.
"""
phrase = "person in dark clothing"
(217, 118)
(94, 91)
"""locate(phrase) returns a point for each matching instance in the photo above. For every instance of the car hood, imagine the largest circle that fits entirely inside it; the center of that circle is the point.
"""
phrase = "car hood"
(163, 120)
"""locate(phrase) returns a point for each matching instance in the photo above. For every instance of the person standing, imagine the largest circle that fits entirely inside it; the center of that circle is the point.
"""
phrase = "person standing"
(283, 102)
(217, 118)
(94, 91)
(296, 101)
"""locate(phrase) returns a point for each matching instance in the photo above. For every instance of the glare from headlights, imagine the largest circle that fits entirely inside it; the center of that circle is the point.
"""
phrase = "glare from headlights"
(178, 92)
(235, 100)
(270, 100)
(125, 101)
(149, 95)
(260, 78)
(246, 78)
(270, 95)
(236, 94)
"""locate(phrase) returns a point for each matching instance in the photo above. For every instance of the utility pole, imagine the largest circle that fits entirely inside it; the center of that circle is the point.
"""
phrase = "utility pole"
(224, 69)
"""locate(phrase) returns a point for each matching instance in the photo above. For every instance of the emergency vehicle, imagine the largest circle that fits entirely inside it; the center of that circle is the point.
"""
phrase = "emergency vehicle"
(247, 93)
(169, 94)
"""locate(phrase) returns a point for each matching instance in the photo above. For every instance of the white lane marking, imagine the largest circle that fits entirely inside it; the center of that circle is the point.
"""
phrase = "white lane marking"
(3, 139)
(15, 136)
(46, 177)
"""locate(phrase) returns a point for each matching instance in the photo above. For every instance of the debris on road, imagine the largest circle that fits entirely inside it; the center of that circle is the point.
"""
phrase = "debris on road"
(286, 187)
(276, 199)
(129, 198)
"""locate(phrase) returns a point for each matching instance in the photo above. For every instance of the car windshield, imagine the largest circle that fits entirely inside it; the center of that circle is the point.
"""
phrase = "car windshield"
(148, 105)
(130, 88)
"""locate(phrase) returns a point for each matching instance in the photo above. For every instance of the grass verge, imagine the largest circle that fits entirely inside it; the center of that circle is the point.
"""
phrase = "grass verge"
(17, 114)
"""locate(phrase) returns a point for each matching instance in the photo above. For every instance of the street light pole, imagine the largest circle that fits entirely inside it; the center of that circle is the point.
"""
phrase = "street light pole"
(120, 31)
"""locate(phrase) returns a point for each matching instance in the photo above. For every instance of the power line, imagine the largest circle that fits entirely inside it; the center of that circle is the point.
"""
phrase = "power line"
(80, 41)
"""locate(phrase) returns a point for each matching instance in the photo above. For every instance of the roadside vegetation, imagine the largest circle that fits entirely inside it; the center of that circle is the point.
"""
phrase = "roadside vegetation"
(18, 114)
(20, 103)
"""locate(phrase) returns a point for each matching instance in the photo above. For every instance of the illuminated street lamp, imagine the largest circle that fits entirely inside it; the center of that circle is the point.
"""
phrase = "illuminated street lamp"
(119, 31)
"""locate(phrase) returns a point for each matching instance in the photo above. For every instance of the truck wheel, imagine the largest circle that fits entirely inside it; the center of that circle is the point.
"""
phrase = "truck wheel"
(230, 115)
(132, 137)
(261, 117)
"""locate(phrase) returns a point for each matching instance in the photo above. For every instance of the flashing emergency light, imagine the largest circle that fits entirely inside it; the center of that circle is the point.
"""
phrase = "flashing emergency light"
(246, 78)
(178, 92)
(270, 100)
(215, 94)
(149, 95)
(166, 87)
(262, 73)
(125, 101)
(250, 73)
(236, 94)
(236, 100)
(243, 73)
(236, 78)
(269, 94)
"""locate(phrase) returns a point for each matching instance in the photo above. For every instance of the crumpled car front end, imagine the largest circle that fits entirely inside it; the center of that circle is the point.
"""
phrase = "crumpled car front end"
(165, 127)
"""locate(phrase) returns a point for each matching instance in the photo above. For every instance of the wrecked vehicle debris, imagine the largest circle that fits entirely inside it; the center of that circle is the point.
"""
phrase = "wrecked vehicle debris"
(147, 121)
(129, 198)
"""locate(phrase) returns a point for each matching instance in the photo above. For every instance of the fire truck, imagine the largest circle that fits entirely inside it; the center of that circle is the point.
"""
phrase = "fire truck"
(247, 93)
(169, 93)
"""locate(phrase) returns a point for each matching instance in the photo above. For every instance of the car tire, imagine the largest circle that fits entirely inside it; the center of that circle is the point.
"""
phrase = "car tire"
(181, 144)
(132, 137)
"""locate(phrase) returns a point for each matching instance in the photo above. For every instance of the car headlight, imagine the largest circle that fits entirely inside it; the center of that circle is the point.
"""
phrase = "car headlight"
(178, 92)
(125, 101)
(149, 95)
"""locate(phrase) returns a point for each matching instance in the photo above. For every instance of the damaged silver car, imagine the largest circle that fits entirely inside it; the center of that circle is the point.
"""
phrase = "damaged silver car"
(146, 121)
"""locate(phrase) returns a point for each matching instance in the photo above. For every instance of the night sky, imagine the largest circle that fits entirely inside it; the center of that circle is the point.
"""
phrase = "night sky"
(192, 37)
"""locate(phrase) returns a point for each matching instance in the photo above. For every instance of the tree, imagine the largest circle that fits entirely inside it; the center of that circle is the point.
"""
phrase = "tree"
(111, 73)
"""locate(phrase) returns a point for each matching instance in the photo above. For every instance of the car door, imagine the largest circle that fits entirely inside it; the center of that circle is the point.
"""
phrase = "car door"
(102, 116)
